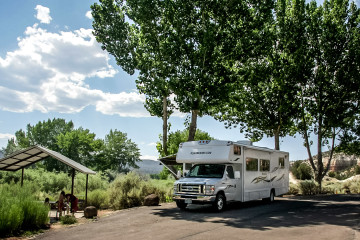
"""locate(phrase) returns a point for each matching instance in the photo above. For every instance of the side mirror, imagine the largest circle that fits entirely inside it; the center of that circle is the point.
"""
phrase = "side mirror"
(178, 174)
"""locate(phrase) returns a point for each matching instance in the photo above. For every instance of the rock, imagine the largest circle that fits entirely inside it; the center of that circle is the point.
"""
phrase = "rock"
(90, 212)
(151, 200)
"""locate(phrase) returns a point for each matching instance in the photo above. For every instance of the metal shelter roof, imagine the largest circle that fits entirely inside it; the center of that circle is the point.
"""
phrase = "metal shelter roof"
(169, 160)
(37, 153)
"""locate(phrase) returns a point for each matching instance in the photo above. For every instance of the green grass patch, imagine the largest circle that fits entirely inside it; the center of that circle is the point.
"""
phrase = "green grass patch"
(20, 210)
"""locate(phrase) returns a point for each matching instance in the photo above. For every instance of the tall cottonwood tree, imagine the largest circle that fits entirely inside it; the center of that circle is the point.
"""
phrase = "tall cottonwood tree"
(187, 42)
(264, 98)
(329, 96)
(135, 34)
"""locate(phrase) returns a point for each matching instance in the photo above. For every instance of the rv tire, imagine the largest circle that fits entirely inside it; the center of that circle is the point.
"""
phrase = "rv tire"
(220, 202)
(181, 204)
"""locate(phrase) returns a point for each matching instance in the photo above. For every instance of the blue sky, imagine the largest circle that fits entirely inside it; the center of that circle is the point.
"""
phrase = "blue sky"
(52, 67)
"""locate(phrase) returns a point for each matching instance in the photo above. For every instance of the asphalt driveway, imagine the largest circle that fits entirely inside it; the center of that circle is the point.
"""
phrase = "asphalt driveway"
(318, 217)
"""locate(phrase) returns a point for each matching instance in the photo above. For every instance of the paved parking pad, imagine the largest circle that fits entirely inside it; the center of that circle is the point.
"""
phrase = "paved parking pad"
(316, 217)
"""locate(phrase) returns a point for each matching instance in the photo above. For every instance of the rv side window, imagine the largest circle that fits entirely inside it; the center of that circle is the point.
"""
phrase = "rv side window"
(264, 165)
(230, 172)
(281, 162)
(237, 150)
(251, 164)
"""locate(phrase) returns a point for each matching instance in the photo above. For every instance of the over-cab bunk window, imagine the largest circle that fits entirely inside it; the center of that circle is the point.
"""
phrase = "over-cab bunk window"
(237, 150)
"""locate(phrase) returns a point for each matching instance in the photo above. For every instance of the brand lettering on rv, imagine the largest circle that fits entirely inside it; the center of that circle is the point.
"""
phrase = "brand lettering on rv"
(193, 153)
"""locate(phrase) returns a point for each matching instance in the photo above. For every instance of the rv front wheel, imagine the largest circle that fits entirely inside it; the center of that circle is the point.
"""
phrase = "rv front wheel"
(181, 204)
(219, 203)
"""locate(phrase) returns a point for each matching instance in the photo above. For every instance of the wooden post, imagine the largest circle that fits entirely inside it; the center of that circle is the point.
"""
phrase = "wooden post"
(72, 181)
(72, 187)
(22, 177)
(87, 178)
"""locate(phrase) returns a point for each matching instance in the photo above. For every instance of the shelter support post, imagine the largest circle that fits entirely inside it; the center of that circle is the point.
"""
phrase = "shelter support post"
(72, 181)
(86, 188)
(22, 176)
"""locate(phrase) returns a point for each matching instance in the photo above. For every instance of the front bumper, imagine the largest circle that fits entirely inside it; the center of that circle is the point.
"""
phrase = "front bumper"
(197, 199)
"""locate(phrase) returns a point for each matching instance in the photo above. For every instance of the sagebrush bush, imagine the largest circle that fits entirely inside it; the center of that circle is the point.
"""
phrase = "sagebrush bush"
(294, 189)
(98, 198)
(130, 190)
(19, 209)
(308, 187)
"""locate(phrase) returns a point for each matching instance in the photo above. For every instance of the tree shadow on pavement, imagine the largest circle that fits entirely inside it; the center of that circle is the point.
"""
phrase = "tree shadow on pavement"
(340, 210)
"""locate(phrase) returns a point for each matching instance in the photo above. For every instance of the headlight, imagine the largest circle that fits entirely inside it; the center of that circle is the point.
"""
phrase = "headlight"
(209, 189)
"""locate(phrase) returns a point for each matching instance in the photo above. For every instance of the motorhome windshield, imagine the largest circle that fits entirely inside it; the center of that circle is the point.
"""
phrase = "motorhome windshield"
(207, 171)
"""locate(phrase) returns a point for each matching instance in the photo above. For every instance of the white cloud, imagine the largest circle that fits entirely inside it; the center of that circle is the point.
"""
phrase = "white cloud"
(88, 15)
(6, 136)
(152, 144)
(43, 14)
(47, 72)
(148, 157)
(123, 104)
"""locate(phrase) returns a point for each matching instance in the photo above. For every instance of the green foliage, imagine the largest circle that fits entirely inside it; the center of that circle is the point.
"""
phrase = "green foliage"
(294, 189)
(357, 169)
(19, 209)
(80, 146)
(119, 153)
(98, 198)
(308, 187)
(301, 170)
(332, 174)
(332, 77)
(175, 138)
(68, 220)
(50, 184)
(130, 190)
(116, 152)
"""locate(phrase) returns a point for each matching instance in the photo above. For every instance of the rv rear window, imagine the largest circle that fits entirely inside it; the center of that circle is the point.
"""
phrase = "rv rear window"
(251, 164)
(264, 165)
(281, 162)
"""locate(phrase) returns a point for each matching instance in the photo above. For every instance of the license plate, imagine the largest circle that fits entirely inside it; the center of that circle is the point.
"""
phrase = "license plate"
(188, 200)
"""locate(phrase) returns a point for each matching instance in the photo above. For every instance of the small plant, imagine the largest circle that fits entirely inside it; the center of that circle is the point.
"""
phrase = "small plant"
(332, 174)
(308, 187)
(68, 220)
(294, 189)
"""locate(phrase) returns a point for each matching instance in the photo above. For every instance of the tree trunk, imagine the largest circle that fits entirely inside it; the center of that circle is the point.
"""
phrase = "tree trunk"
(277, 139)
(192, 128)
(319, 156)
(165, 125)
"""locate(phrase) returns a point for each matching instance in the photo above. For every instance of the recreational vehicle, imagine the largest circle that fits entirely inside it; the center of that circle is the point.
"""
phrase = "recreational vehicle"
(218, 172)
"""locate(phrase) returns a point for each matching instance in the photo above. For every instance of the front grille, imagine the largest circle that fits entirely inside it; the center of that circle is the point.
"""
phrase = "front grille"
(191, 188)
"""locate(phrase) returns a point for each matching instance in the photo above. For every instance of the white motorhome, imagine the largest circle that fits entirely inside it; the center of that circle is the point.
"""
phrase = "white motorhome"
(218, 172)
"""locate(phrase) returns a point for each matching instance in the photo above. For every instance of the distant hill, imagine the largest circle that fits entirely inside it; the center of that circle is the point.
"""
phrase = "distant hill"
(149, 167)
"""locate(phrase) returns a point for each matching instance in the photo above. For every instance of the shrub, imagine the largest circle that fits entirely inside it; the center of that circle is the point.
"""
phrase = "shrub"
(357, 169)
(98, 198)
(68, 219)
(308, 187)
(294, 189)
(332, 174)
(130, 190)
(20, 210)
(301, 170)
